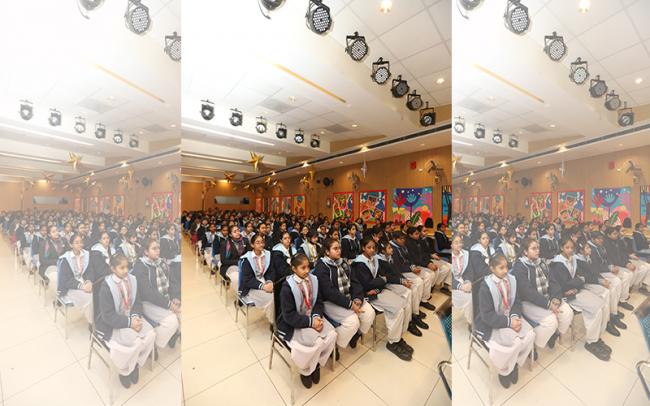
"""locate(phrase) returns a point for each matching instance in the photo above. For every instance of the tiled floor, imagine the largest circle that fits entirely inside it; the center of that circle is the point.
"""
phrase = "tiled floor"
(221, 367)
(560, 376)
(39, 366)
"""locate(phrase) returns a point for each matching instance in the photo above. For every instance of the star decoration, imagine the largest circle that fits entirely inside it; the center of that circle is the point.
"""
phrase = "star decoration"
(48, 177)
(74, 160)
(364, 170)
(229, 176)
(87, 180)
(312, 175)
(130, 172)
(455, 159)
(267, 181)
(256, 160)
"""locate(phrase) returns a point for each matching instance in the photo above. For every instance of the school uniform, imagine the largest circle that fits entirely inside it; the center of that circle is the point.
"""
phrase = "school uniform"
(37, 241)
(548, 248)
(281, 260)
(641, 243)
(461, 300)
(588, 271)
(254, 272)
(118, 304)
(423, 281)
(350, 247)
(642, 272)
(479, 263)
(130, 251)
(100, 258)
(49, 254)
(616, 259)
(311, 251)
(601, 267)
(443, 274)
(25, 247)
(395, 278)
(230, 252)
(509, 251)
(421, 259)
(442, 242)
(168, 248)
(73, 271)
(300, 303)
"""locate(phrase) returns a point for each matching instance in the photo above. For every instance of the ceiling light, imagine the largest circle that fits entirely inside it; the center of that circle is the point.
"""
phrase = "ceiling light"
(315, 141)
(469, 4)
(497, 137)
(385, 6)
(118, 137)
(355, 125)
(459, 142)
(364, 149)
(440, 81)
(299, 137)
(513, 142)
(427, 116)
(598, 87)
(516, 17)
(260, 127)
(281, 131)
(224, 134)
(207, 110)
(459, 125)
(414, 101)
(318, 17)
(236, 118)
(137, 17)
(26, 110)
(55, 118)
(173, 46)
(322, 132)
(356, 46)
(612, 101)
(28, 157)
(133, 141)
(579, 71)
(584, 5)
(271, 4)
(552, 125)
(380, 71)
(210, 157)
(625, 116)
(400, 87)
(80, 125)
(172, 125)
(638, 81)
(479, 131)
(100, 131)
(554, 46)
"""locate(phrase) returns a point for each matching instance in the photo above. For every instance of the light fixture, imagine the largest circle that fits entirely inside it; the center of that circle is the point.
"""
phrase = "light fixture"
(516, 17)
(318, 17)
(118, 137)
(88, 5)
(80, 125)
(100, 131)
(173, 46)
(281, 131)
(414, 101)
(554, 46)
(260, 127)
(271, 4)
(380, 71)
(137, 17)
(579, 71)
(55, 118)
(469, 4)
(236, 118)
(625, 116)
(597, 87)
(638, 81)
(479, 131)
(356, 46)
(497, 137)
(440, 80)
(134, 142)
(207, 110)
(299, 137)
(612, 101)
(26, 110)
(427, 116)
(385, 6)
(459, 125)
(315, 141)
(23, 130)
(400, 87)
(513, 142)
(584, 5)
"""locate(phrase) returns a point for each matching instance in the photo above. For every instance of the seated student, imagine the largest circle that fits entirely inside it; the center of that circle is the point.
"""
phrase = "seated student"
(302, 324)
(499, 322)
(208, 241)
(543, 308)
(640, 240)
(158, 303)
(343, 304)
(100, 256)
(256, 276)
(620, 265)
(311, 248)
(50, 251)
(421, 259)
(443, 273)
(567, 284)
(372, 278)
(350, 246)
(442, 241)
(130, 248)
(74, 281)
(38, 239)
(334, 234)
(639, 269)
(479, 259)
(416, 274)
(169, 248)
(461, 289)
(120, 322)
(231, 250)
(509, 248)
(549, 246)
(281, 257)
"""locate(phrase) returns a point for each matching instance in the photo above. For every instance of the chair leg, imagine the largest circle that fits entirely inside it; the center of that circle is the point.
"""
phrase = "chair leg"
(294, 373)
(90, 353)
(271, 354)
(245, 308)
(65, 317)
(469, 354)
(374, 334)
(491, 383)
(333, 355)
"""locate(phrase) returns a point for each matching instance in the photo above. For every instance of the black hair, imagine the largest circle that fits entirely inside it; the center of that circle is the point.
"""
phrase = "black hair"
(497, 259)
(298, 260)
(117, 259)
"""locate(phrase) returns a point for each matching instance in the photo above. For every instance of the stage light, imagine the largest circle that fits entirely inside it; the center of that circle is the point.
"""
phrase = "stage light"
(260, 127)
(356, 46)
(400, 87)
(554, 46)
(137, 17)
(380, 71)
(427, 116)
(55, 118)
(579, 71)
(315, 141)
(299, 138)
(173, 46)
(118, 137)
(207, 110)
(271, 4)
(513, 142)
(598, 87)
(479, 131)
(88, 5)
(80, 125)
(459, 125)
(469, 4)
(26, 110)
(625, 116)
(612, 101)
(100, 131)
(385, 6)
(281, 131)
(134, 142)
(516, 17)
(497, 137)
(236, 118)
(414, 101)
(318, 17)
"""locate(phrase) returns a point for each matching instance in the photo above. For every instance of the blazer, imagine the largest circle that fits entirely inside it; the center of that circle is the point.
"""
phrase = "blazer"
(107, 318)
(289, 318)
(526, 276)
(487, 318)
(561, 280)
(328, 285)
(148, 286)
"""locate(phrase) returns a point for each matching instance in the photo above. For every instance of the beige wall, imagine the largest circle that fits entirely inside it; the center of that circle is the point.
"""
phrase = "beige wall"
(192, 196)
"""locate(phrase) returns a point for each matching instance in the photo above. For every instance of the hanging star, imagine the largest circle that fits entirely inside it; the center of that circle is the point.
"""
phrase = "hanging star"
(312, 175)
(562, 169)
(130, 172)
(87, 180)
(267, 181)
(364, 170)
(455, 159)
(256, 160)
(48, 177)
(74, 160)
(66, 186)
(247, 187)
(229, 176)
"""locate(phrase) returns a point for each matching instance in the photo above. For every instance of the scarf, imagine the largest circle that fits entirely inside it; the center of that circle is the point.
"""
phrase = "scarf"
(342, 277)
(78, 265)
(541, 280)
(459, 264)
(162, 281)
(311, 250)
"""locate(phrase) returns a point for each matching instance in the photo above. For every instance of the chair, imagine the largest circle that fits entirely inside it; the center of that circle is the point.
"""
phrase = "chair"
(642, 314)
(61, 305)
(378, 312)
(574, 338)
(444, 316)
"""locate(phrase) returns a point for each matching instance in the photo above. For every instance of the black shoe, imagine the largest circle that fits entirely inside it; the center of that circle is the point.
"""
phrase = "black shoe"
(445, 290)
(422, 314)
(354, 340)
(626, 306)
(618, 323)
(399, 350)
(535, 356)
(135, 375)
(598, 351)
(620, 314)
(504, 380)
(315, 376)
(125, 380)
(413, 329)
(552, 340)
(306, 381)
(605, 347)
(418, 322)
(427, 306)
(173, 339)
(611, 329)
(514, 375)
(644, 291)
(406, 346)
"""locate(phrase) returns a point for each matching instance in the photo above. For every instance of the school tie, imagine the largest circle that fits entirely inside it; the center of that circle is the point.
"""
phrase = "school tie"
(504, 288)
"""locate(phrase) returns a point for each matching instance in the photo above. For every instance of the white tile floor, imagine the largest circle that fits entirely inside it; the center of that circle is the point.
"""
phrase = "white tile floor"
(560, 376)
(221, 367)
(39, 366)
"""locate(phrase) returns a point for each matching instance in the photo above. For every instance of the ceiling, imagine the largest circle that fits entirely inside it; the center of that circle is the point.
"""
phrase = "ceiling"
(94, 68)
(516, 88)
(279, 69)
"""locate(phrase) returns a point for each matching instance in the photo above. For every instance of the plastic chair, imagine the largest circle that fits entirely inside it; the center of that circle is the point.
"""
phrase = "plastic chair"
(444, 316)
(642, 314)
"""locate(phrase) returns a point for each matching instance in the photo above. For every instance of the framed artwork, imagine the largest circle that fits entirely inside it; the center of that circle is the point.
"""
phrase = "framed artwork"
(498, 205)
(571, 207)
(611, 205)
(645, 205)
(484, 204)
(299, 205)
(413, 204)
(343, 205)
(258, 204)
(118, 205)
(162, 206)
(447, 207)
(285, 204)
(541, 205)
(274, 204)
(372, 206)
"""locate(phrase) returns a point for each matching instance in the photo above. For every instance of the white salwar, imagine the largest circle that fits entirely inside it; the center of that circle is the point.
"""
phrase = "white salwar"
(547, 321)
(129, 347)
(310, 348)
(508, 347)
(349, 321)
(168, 322)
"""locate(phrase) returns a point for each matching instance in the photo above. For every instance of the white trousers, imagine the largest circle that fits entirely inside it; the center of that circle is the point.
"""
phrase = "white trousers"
(605, 294)
(640, 274)
(615, 290)
(167, 320)
(417, 290)
(407, 295)
(129, 347)
(263, 301)
(443, 272)
(310, 348)
(393, 307)
(350, 322)
(507, 347)
(82, 301)
(592, 308)
(548, 322)
(462, 302)
(428, 278)
(626, 282)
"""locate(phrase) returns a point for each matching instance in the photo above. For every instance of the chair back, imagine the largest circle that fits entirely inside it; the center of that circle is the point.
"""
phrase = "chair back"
(642, 314)
(443, 312)
(96, 310)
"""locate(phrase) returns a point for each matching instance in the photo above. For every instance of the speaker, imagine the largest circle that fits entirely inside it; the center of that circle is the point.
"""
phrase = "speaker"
(328, 182)
(245, 201)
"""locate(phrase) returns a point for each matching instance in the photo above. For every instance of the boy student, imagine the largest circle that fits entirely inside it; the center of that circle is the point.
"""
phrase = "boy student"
(615, 274)
(629, 262)
(417, 275)
(640, 240)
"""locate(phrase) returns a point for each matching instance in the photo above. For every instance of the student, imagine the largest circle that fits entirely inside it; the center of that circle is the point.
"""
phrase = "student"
(130, 248)
(372, 278)
(281, 257)
(154, 289)
(256, 277)
(619, 265)
(121, 324)
(231, 250)
(169, 248)
(416, 274)
(499, 322)
(208, 244)
(509, 248)
(311, 248)
(51, 250)
(601, 265)
(640, 240)
(637, 268)
(479, 259)
(442, 241)
(461, 289)
(100, 256)
(567, 284)
(74, 281)
(350, 246)
(549, 246)
(302, 324)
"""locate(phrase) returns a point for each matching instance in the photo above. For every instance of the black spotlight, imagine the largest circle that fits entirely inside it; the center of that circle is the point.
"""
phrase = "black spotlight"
(207, 110)
(315, 141)
(497, 137)
(469, 4)
(414, 101)
(318, 17)
(579, 71)
(118, 137)
(26, 110)
(459, 125)
(479, 131)
(137, 17)
(80, 125)
(133, 141)
(513, 142)
(100, 131)
(625, 116)
(236, 118)
(356, 46)
(173, 46)
(281, 131)
(612, 101)
(516, 17)
(380, 71)
(271, 4)
(427, 116)
(299, 138)
(554, 46)
(400, 87)
(90, 5)
(260, 127)
(597, 87)
(55, 118)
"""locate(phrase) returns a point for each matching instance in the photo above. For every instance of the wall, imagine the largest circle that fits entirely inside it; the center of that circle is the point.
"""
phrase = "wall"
(193, 191)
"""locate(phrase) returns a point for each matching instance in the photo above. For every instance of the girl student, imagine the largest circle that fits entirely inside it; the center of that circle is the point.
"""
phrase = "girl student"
(499, 322)
(232, 249)
(130, 248)
(100, 256)
(281, 256)
(567, 284)
(350, 246)
(509, 248)
(311, 247)
(479, 259)
(302, 324)
(119, 321)
(549, 246)
(51, 250)
(367, 272)
(256, 276)
(461, 289)
(74, 281)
